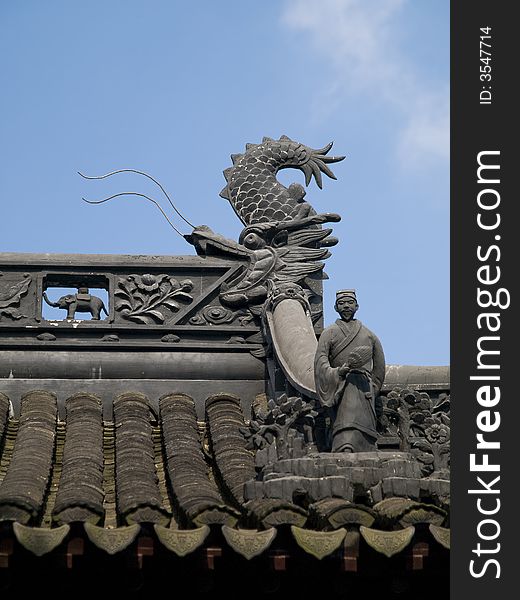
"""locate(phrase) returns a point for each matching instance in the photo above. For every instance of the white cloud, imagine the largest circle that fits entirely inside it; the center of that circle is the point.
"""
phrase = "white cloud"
(358, 38)
(426, 133)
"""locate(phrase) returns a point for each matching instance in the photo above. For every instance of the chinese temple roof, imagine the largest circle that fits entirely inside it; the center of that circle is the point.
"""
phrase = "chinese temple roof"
(165, 471)
(181, 421)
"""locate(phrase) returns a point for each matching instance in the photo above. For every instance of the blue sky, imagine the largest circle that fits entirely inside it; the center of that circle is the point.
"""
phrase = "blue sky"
(173, 88)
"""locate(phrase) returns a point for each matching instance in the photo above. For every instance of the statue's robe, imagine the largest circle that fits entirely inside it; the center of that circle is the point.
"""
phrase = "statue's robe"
(351, 400)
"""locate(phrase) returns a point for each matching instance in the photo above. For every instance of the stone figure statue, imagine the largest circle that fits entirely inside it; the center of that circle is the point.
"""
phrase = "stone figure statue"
(349, 370)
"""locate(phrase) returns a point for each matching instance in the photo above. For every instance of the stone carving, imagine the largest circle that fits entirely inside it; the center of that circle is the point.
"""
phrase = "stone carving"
(318, 543)
(253, 190)
(182, 541)
(83, 301)
(423, 428)
(387, 542)
(143, 298)
(220, 315)
(10, 296)
(434, 449)
(404, 410)
(287, 291)
(441, 534)
(40, 540)
(282, 240)
(249, 542)
(291, 338)
(112, 541)
(274, 251)
(282, 429)
(349, 370)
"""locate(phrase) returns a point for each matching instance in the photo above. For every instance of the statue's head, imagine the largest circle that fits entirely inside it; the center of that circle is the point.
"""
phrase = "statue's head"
(346, 304)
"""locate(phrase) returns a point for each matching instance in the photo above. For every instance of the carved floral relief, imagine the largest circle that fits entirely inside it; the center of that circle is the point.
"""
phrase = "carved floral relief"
(10, 297)
(422, 426)
(149, 299)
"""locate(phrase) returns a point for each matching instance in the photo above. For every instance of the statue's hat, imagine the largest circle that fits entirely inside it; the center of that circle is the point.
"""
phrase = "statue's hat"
(351, 293)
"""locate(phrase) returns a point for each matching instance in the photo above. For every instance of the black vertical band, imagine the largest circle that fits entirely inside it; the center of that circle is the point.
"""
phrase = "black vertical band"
(485, 350)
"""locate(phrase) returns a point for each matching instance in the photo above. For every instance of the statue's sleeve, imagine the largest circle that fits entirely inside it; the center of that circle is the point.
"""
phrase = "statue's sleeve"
(379, 365)
(329, 385)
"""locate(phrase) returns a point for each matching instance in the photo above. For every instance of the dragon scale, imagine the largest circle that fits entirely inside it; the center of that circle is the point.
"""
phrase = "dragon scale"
(253, 190)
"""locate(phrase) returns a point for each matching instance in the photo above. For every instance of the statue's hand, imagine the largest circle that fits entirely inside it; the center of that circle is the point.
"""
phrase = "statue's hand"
(344, 370)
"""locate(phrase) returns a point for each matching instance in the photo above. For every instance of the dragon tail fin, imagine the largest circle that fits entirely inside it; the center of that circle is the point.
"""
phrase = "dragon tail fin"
(317, 164)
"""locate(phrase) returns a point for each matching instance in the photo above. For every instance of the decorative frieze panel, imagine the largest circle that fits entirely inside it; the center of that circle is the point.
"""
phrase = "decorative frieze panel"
(147, 301)
(13, 288)
(151, 299)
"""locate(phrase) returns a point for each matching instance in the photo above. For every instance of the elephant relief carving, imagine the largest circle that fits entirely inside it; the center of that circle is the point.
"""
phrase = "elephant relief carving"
(83, 301)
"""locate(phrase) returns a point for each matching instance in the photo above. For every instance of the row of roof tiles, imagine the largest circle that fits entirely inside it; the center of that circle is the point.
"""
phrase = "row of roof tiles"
(170, 472)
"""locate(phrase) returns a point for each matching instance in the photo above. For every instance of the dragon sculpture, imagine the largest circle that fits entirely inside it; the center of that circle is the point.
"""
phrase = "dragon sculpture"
(280, 251)
(283, 240)
(253, 190)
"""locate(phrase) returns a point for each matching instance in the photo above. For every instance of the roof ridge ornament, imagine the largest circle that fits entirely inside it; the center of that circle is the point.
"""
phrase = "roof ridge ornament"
(253, 190)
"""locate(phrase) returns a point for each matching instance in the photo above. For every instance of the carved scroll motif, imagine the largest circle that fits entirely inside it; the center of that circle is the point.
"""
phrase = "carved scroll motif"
(219, 315)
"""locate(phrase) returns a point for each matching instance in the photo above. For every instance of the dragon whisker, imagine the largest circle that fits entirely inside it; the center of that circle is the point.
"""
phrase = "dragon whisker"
(140, 196)
(145, 175)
